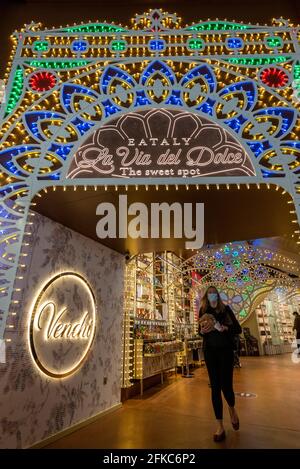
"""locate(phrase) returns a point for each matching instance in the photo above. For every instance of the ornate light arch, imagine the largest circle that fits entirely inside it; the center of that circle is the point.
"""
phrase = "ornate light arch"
(62, 84)
(244, 274)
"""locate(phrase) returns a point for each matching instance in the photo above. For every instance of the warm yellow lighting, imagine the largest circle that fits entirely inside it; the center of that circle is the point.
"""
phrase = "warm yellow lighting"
(55, 328)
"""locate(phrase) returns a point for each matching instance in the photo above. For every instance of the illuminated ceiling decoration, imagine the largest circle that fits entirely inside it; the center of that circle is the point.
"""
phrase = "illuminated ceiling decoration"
(243, 273)
(62, 84)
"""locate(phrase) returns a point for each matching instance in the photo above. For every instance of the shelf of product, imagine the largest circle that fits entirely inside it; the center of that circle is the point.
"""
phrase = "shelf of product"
(154, 348)
(129, 311)
(275, 324)
(151, 329)
(195, 343)
(191, 353)
(154, 358)
(160, 303)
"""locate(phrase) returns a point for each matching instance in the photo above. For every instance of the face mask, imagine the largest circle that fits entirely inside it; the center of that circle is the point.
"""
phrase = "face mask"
(212, 297)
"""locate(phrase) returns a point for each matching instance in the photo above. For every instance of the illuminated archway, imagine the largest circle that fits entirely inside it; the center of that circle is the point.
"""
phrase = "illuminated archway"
(64, 83)
(243, 273)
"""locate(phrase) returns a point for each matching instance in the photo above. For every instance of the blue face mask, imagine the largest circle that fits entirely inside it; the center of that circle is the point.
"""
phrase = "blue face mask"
(212, 297)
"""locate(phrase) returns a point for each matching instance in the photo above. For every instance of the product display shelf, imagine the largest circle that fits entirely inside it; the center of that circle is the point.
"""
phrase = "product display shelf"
(275, 326)
(153, 357)
(162, 310)
(128, 361)
(192, 352)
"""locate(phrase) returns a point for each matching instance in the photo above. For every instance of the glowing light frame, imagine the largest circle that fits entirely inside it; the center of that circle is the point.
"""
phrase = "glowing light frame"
(32, 314)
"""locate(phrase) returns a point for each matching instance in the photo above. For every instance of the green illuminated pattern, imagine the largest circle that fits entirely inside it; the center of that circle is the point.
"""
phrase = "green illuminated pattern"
(195, 44)
(94, 28)
(296, 81)
(297, 71)
(257, 61)
(16, 90)
(40, 45)
(217, 26)
(274, 41)
(118, 45)
(57, 64)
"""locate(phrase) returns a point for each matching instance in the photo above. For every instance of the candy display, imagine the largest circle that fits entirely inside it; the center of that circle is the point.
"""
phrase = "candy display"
(151, 330)
(153, 348)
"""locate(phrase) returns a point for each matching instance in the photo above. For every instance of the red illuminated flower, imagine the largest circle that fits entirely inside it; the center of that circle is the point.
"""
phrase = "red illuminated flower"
(42, 81)
(274, 77)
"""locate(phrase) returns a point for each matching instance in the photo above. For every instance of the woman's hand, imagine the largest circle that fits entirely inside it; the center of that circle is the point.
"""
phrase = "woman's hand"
(207, 327)
(224, 328)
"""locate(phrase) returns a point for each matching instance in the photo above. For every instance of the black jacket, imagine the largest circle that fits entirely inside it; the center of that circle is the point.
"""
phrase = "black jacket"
(216, 339)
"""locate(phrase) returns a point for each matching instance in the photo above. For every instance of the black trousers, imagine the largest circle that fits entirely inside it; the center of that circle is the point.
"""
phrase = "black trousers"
(219, 363)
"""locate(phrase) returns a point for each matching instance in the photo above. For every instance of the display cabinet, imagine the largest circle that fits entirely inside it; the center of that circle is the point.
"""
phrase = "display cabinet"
(275, 324)
(154, 357)
(192, 352)
(159, 315)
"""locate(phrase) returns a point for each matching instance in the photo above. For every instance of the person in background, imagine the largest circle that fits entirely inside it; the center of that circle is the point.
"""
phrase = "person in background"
(296, 328)
(219, 326)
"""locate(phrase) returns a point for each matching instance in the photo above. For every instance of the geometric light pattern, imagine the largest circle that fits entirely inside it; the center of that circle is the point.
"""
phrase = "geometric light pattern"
(42, 81)
(242, 272)
(274, 77)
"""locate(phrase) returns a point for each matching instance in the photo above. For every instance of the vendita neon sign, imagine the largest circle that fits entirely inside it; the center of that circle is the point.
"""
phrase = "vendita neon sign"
(62, 325)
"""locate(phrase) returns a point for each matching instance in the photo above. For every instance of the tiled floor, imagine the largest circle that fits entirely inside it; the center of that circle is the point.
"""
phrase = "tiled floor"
(179, 415)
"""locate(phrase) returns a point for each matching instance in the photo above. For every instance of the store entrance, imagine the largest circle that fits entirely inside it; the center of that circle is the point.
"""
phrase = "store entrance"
(141, 184)
(248, 253)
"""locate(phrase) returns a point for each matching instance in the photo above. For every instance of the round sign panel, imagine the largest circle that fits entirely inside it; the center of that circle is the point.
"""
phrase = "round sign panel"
(62, 324)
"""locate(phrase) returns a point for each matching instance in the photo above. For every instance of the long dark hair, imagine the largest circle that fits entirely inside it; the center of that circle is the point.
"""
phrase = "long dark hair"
(205, 303)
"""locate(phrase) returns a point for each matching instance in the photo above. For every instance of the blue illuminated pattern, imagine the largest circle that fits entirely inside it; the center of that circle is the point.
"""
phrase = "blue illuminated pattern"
(110, 108)
(155, 45)
(236, 123)
(141, 99)
(203, 71)
(70, 90)
(82, 126)
(113, 73)
(160, 67)
(61, 150)
(259, 147)
(79, 46)
(54, 176)
(247, 87)
(175, 99)
(234, 43)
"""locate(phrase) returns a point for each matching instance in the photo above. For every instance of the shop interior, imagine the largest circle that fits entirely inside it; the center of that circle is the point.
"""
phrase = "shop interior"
(249, 253)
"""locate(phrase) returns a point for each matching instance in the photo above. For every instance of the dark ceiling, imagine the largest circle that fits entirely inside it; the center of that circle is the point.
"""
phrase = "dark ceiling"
(229, 215)
(15, 13)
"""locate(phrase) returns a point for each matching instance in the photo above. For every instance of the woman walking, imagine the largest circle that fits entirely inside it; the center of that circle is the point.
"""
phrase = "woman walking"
(219, 326)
